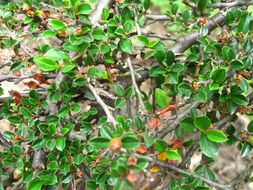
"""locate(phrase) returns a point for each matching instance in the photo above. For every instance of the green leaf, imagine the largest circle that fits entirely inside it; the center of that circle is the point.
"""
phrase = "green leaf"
(55, 55)
(173, 154)
(202, 4)
(45, 64)
(26, 112)
(161, 98)
(120, 103)
(149, 141)
(35, 185)
(170, 57)
(250, 127)
(53, 165)
(187, 124)
(60, 143)
(56, 24)
(143, 39)
(246, 149)
(216, 136)
(237, 64)
(239, 99)
(105, 14)
(146, 4)
(67, 67)
(63, 112)
(218, 75)
(228, 53)
(209, 148)
(48, 34)
(126, 45)
(244, 23)
(160, 145)
(129, 25)
(202, 123)
(99, 142)
(119, 90)
(84, 9)
(98, 34)
(184, 88)
(130, 142)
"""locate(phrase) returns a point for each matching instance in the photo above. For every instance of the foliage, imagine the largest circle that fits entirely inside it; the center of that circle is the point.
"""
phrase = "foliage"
(124, 130)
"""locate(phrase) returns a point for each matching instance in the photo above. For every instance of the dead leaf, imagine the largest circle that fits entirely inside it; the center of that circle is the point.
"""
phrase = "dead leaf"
(154, 123)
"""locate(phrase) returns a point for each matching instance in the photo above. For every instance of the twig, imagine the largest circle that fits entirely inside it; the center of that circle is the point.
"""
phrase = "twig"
(103, 105)
(174, 125)
(19, 78)
(158, 17)
(231, 4)
(137, 90)
(97, 13)
(184, 172)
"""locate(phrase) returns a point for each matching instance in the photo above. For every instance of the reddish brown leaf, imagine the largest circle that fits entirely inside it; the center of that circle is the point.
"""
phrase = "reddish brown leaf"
(177, 143)
(132, 178)
(32, 84)
(132, 161)
(154, 123)
(39, 77)
(166, 109)
(141, 149)
(16, 97)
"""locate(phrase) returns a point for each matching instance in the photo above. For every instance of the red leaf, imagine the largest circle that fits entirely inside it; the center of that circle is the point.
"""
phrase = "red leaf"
(166, 109)
(177, 143)
(132, 161)
(141, 149)
(17, 97)
(154, 123)
(32, 84)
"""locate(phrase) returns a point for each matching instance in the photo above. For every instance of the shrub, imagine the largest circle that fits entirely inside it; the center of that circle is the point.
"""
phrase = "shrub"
(94, 126)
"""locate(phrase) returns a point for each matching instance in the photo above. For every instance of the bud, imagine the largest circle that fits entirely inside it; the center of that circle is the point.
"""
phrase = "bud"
(132, 161)
(115, 144)
(78, 30)
(30, 13)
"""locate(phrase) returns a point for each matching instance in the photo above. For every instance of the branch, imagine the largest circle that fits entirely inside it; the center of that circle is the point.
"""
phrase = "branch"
(183, 172)
(97, 13)
(174, 125)
(186, 41)
(231, 4)
(19, 78)
(103, 105)
(158, 17)
(137, 90)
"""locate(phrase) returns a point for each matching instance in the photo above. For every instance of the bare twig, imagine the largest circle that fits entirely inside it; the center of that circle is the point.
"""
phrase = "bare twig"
(103, 105)
(97, 13)
(158, 17)
(137, 90)
(231, 4)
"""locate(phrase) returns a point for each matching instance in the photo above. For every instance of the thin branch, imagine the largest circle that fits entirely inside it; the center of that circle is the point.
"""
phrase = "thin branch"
(19, 78)
(97, 13)
(171, 127)
(137, 90)
(184, 172)
(103, 105)
(158, 17)
(231, 4)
